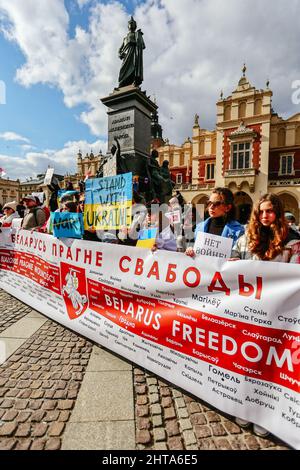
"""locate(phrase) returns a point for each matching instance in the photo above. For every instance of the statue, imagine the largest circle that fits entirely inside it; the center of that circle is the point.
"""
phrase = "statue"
(160, 178)
(131, 52)
(166, 185)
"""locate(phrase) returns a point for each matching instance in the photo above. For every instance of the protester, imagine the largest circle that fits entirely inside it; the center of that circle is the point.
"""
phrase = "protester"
(34, 216)
(267, 238)
(221, 220)
(69, 206)
(21, 209)
(291, 221)
(129, 236)
(10, 213)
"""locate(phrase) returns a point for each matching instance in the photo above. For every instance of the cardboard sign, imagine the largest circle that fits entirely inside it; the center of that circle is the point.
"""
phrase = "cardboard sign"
(207, 244)
(48, 176)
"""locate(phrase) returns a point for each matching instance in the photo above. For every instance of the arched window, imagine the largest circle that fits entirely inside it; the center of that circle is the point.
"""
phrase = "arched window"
(242, 109)
(257, 106)
(281, 137)
(227, 113)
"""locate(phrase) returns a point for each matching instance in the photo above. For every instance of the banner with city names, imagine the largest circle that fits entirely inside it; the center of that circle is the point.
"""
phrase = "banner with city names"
(227, 332)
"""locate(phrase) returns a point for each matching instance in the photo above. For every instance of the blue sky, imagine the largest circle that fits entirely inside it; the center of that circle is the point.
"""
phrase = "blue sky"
(59, 57)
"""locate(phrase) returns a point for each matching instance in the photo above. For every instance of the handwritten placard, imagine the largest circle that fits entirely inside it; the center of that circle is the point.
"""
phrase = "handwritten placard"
(207, 244)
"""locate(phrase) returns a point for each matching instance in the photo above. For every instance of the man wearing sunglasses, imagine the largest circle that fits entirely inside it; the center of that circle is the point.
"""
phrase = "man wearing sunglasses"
(221, 220)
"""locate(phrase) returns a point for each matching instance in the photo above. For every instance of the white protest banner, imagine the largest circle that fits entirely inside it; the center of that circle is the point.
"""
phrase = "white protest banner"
(207, 244)
(221, 330)
(48, 176)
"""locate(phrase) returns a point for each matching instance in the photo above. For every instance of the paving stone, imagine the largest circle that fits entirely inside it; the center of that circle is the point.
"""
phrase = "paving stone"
(142, 410)
(142, 400)
(176, 393)
(198, 418)
(155, 409)
(154, 398)
(172, 428)
(159, 434)
(189, 437)
(7, 444)
(9, 415)
(39, 429)
(143, 423)
(23, 416)
(152, 381)
(38, 444)
(218, 429)
(161, 446)
(185, 424)
(252, 443)
(141, 389)
(193, 407)
(175, 443)
(143, 437)
(7, 429)
(37, 415)
(232, 428)
(23, 430)
(56, 429)
(169, 413)
(223, 444)
(165, 392)
(179, 403)
(206, 444)
(166, 402)
(64, 416)
(53, 444)
(202, 431)
(182, 413)
(157, 421)
(23, 444)
(212, 417)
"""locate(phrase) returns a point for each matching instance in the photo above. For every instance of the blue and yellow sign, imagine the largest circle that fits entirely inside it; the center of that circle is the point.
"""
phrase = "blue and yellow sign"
(108, 202)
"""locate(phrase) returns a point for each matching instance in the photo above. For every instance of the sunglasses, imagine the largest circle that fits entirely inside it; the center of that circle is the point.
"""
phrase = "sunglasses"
(215, 204)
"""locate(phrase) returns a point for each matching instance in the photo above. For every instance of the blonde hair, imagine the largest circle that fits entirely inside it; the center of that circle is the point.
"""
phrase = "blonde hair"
(267, 244)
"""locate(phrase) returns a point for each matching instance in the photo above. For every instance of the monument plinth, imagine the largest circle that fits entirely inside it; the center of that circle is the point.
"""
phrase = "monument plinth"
(129, 121)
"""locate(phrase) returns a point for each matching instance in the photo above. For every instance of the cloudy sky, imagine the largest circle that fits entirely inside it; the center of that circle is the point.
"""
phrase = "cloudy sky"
(59, 57)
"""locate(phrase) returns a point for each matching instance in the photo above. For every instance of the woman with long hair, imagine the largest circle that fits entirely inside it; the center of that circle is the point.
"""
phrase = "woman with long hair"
(267, 238)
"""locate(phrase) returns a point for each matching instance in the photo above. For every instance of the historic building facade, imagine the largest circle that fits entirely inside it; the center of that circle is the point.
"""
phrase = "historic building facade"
(252, 151)
(9, 190)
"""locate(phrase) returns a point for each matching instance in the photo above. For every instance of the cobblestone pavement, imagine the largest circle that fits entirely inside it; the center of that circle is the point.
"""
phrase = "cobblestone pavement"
(38, 388)
(40, 382)
(11, 310)
(167, 418)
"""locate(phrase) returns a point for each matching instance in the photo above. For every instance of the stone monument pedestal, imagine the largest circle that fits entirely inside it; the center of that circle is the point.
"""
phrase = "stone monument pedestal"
(129, 121)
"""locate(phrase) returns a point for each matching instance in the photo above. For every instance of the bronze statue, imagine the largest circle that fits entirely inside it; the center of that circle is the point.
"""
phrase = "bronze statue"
(131, 53)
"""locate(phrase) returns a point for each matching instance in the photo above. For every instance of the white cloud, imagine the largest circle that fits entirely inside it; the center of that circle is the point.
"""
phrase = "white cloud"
(194, 48)
(63, 160)
(12, 136)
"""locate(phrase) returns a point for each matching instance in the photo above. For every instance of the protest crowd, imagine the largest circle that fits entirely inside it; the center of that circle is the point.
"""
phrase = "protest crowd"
(170, 224)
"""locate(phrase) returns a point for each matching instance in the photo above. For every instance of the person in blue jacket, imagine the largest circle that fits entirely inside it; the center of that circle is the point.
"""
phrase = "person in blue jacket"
(221, 220)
